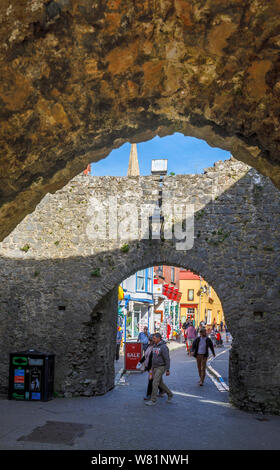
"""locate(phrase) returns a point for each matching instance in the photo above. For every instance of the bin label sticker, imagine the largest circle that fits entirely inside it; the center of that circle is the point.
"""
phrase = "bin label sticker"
(18, 396)
(35, 379)
(20, 361)
(35, 362)
(19, 378)
(35, 396)
(18, 386)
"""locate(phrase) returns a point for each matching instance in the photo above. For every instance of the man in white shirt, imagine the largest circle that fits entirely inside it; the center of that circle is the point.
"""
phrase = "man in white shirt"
(200, 352)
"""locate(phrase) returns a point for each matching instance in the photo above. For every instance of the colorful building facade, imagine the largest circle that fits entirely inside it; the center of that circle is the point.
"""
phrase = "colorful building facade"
(199, 301)
(167, 301)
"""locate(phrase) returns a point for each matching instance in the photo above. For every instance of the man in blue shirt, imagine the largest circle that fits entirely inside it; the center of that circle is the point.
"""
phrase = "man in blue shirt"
(143, 338)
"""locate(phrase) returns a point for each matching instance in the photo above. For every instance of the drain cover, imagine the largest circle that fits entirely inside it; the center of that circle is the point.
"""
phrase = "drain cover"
(56, 432)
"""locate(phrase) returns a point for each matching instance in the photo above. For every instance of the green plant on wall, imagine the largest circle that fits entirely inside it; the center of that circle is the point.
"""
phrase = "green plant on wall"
(25, 248)
(95, 272)
(125, 248)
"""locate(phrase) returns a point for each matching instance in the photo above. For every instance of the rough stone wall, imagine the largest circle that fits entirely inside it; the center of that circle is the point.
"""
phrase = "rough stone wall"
(49, 261)
(80, 77)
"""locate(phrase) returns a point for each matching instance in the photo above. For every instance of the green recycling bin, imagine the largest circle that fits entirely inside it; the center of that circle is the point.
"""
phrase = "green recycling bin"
(31, 376)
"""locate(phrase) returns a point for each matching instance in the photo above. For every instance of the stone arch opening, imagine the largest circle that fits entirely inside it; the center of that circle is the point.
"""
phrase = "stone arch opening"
(164, 298)
(184, 155)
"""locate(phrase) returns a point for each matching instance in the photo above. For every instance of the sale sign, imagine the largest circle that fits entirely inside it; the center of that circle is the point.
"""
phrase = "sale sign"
(132, 355)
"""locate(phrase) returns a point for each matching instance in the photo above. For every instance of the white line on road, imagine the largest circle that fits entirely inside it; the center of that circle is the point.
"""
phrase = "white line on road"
(220, 383)
(215, 382)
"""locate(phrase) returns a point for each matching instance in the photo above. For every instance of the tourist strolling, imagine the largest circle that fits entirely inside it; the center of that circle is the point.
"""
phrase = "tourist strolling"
(160, 365)
(190, 337)
(146, 362)
(143, 338)
(200, 351)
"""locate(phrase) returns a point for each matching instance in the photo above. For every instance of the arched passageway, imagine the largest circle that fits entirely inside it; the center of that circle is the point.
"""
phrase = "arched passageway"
(81, 78)
(52, 260)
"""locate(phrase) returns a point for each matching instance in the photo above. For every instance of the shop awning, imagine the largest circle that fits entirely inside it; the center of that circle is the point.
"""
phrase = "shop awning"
(188, 305)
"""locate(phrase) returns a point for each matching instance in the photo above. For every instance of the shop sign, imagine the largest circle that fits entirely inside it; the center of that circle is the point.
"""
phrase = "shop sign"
(132, 355)
(157, 289)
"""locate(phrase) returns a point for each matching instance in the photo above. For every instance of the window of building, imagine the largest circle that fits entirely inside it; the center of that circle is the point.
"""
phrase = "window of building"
(191, 311)
(160, 270)
(209, 317)
(140, 280)
(149, 279)
(190, 294)
(172, 274)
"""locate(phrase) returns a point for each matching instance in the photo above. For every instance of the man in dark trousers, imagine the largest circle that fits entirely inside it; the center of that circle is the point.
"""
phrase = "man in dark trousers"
(200, 349)
(160, 365)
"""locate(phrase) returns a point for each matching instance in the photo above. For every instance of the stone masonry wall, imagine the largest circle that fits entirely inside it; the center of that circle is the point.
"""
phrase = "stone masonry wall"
(58, 284)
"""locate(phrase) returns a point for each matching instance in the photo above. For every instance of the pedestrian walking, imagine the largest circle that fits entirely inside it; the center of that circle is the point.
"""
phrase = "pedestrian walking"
(190, 337)
(146, 362)
(143, 338)
(118, 342)
(160, 365)
(200, 351)
(227, 333)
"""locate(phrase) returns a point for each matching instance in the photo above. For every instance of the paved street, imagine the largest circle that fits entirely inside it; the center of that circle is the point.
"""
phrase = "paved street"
(198, 418)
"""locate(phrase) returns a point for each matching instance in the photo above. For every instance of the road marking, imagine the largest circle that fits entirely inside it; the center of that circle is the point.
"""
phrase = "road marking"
(218, 380)
(215, 382)
(186, 394)
(119, 380)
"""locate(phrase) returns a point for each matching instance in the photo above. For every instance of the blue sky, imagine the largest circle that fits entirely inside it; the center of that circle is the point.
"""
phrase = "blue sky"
(185, 155)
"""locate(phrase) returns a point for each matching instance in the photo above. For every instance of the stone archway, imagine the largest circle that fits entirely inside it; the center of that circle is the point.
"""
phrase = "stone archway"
(79, 78)
(58, 284)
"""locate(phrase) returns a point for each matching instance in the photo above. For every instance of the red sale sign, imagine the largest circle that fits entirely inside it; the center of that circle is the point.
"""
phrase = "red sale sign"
(132, 355)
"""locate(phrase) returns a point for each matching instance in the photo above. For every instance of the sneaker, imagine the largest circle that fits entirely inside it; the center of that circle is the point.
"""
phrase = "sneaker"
(148, 397)
(150, 403)
(161, 394)
(169, 399)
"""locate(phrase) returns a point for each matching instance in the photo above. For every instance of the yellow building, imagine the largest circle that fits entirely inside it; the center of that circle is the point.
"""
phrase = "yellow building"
(199, 300)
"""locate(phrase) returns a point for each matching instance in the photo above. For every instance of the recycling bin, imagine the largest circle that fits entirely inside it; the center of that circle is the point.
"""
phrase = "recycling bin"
(31, 376)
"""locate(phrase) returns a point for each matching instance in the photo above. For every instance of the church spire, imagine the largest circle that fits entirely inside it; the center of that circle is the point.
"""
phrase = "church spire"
(133, 166)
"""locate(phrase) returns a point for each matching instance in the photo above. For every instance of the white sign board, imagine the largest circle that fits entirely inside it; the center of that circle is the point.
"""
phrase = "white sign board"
(157, 289)
(159, 166)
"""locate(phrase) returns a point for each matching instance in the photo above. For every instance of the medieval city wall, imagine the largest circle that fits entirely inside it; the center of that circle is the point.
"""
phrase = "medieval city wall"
(58, 280)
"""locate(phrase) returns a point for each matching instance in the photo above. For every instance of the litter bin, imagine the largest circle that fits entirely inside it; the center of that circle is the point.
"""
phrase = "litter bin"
(31, 376)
